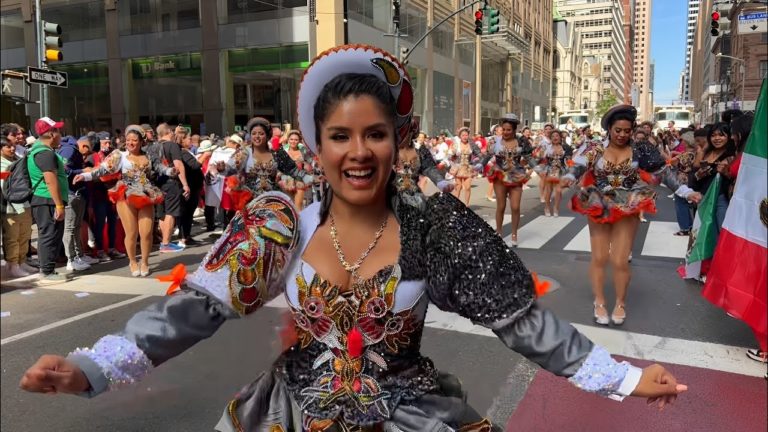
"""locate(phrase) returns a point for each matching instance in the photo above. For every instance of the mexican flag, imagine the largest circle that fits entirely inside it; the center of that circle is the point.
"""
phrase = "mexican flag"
(703, 233)
(737, 279)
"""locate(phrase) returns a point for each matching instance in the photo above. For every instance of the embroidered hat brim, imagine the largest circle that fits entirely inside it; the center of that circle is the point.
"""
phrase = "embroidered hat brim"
(361, 59)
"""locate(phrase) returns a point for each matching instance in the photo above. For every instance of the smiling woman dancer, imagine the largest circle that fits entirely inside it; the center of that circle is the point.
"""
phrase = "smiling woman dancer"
(259, 166)
(357, 271)
(508, 171)
(465, 156)
(134, 194)
(555, 158)
(615, 190)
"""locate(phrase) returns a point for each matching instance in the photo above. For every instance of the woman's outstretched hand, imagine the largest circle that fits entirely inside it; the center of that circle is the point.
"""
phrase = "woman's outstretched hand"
(54, 374)
(659, 386)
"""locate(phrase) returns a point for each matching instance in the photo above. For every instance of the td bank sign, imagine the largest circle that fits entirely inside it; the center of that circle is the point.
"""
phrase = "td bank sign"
(154, 67)
(166, 66)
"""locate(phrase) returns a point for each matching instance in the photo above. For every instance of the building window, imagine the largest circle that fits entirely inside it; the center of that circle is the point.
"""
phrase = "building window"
(763, 72)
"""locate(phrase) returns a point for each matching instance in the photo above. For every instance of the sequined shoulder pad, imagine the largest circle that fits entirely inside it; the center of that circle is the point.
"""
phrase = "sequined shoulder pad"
(246, 267)
(648, 156)
(469, 269)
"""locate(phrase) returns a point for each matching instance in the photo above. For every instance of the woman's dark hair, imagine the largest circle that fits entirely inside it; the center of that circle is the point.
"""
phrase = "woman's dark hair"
(265, 127)
(724, 129)
(513, 123)
(352, 84)
(621, 116)
(702, 132)
(295, 132)
(741, 127)
(334, 92)
(526, 128)
(7, 128)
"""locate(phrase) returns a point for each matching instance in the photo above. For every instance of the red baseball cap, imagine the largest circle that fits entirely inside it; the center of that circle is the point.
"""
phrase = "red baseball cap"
(45, 125)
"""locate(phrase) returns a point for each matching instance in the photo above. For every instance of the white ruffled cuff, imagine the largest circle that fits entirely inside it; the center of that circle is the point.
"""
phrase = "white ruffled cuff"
(603, 375)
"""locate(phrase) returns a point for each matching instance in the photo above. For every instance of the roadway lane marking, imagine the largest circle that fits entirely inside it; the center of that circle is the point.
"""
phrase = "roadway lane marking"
(659, 241)
(704, 355)
(69, 320)
(580, 242)
(539, 231)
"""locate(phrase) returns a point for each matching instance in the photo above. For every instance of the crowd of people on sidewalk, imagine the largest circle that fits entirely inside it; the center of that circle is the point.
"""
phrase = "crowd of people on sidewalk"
(92, 199)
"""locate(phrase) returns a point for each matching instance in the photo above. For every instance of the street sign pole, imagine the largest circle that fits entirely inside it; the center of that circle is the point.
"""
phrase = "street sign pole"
(41, 58)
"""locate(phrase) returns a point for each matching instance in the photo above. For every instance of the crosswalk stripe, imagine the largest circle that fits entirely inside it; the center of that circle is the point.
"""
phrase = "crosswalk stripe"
(539, 231)
(659, 241)
(706, 355)
(580, 242)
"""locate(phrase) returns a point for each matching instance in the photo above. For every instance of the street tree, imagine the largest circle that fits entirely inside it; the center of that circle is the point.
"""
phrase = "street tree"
(606, 102)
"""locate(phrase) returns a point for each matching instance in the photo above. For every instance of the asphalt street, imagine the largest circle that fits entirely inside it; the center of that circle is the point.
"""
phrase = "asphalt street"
(668, 321)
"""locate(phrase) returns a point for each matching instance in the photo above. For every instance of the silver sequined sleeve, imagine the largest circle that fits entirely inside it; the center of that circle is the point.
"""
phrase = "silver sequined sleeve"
(152, 336)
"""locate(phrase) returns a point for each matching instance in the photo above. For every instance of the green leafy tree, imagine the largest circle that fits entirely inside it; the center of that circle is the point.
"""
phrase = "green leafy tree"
(607, 101)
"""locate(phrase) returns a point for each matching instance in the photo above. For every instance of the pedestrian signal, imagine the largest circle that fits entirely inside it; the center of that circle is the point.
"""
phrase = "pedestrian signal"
(479, 22)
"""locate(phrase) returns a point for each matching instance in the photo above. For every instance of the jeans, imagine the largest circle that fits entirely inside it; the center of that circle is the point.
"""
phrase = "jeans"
(684, 213)
(73, 221)
(721, 206)
(50, 233)
(104, 210)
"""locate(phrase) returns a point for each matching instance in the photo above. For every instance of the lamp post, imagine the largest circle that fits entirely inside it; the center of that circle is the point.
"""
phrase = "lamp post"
(742, 70)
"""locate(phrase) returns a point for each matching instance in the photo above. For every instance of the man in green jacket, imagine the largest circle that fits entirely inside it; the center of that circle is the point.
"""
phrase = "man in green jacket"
(50, 190)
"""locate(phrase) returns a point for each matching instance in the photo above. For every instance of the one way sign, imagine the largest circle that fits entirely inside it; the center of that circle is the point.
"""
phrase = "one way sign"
(47, 77)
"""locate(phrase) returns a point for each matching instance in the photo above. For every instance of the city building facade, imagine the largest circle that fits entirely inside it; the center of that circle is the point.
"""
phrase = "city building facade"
(567, 67)
(727, 70)
(602, 30)
(212, 65)
(693, 16)
(628, 9)
(642, 59)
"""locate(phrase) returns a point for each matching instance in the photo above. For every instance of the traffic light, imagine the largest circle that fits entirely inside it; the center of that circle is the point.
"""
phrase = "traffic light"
(52, 42)
(493, 21)
(715, 23)
(479, 22)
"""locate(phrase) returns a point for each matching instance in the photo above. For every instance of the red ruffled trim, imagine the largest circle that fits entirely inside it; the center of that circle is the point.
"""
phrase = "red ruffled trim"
(117, 193)
(498, 176)
(240, 199)
(141, 201)
(588, 179)
(595, 212)
(553, 180)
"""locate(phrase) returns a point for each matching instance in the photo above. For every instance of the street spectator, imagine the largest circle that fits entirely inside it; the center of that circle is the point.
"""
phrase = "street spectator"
(683, 162)
(222, 161)
(50, 191)
(711, 160)
(14, 134)
(175, 189)
(194, 143)
(102, 209)
(17, 221)
(277, 138)
(76, 206)
(194, 174)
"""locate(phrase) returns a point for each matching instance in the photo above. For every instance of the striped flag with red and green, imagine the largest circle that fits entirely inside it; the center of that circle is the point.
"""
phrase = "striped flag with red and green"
(737, 281)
